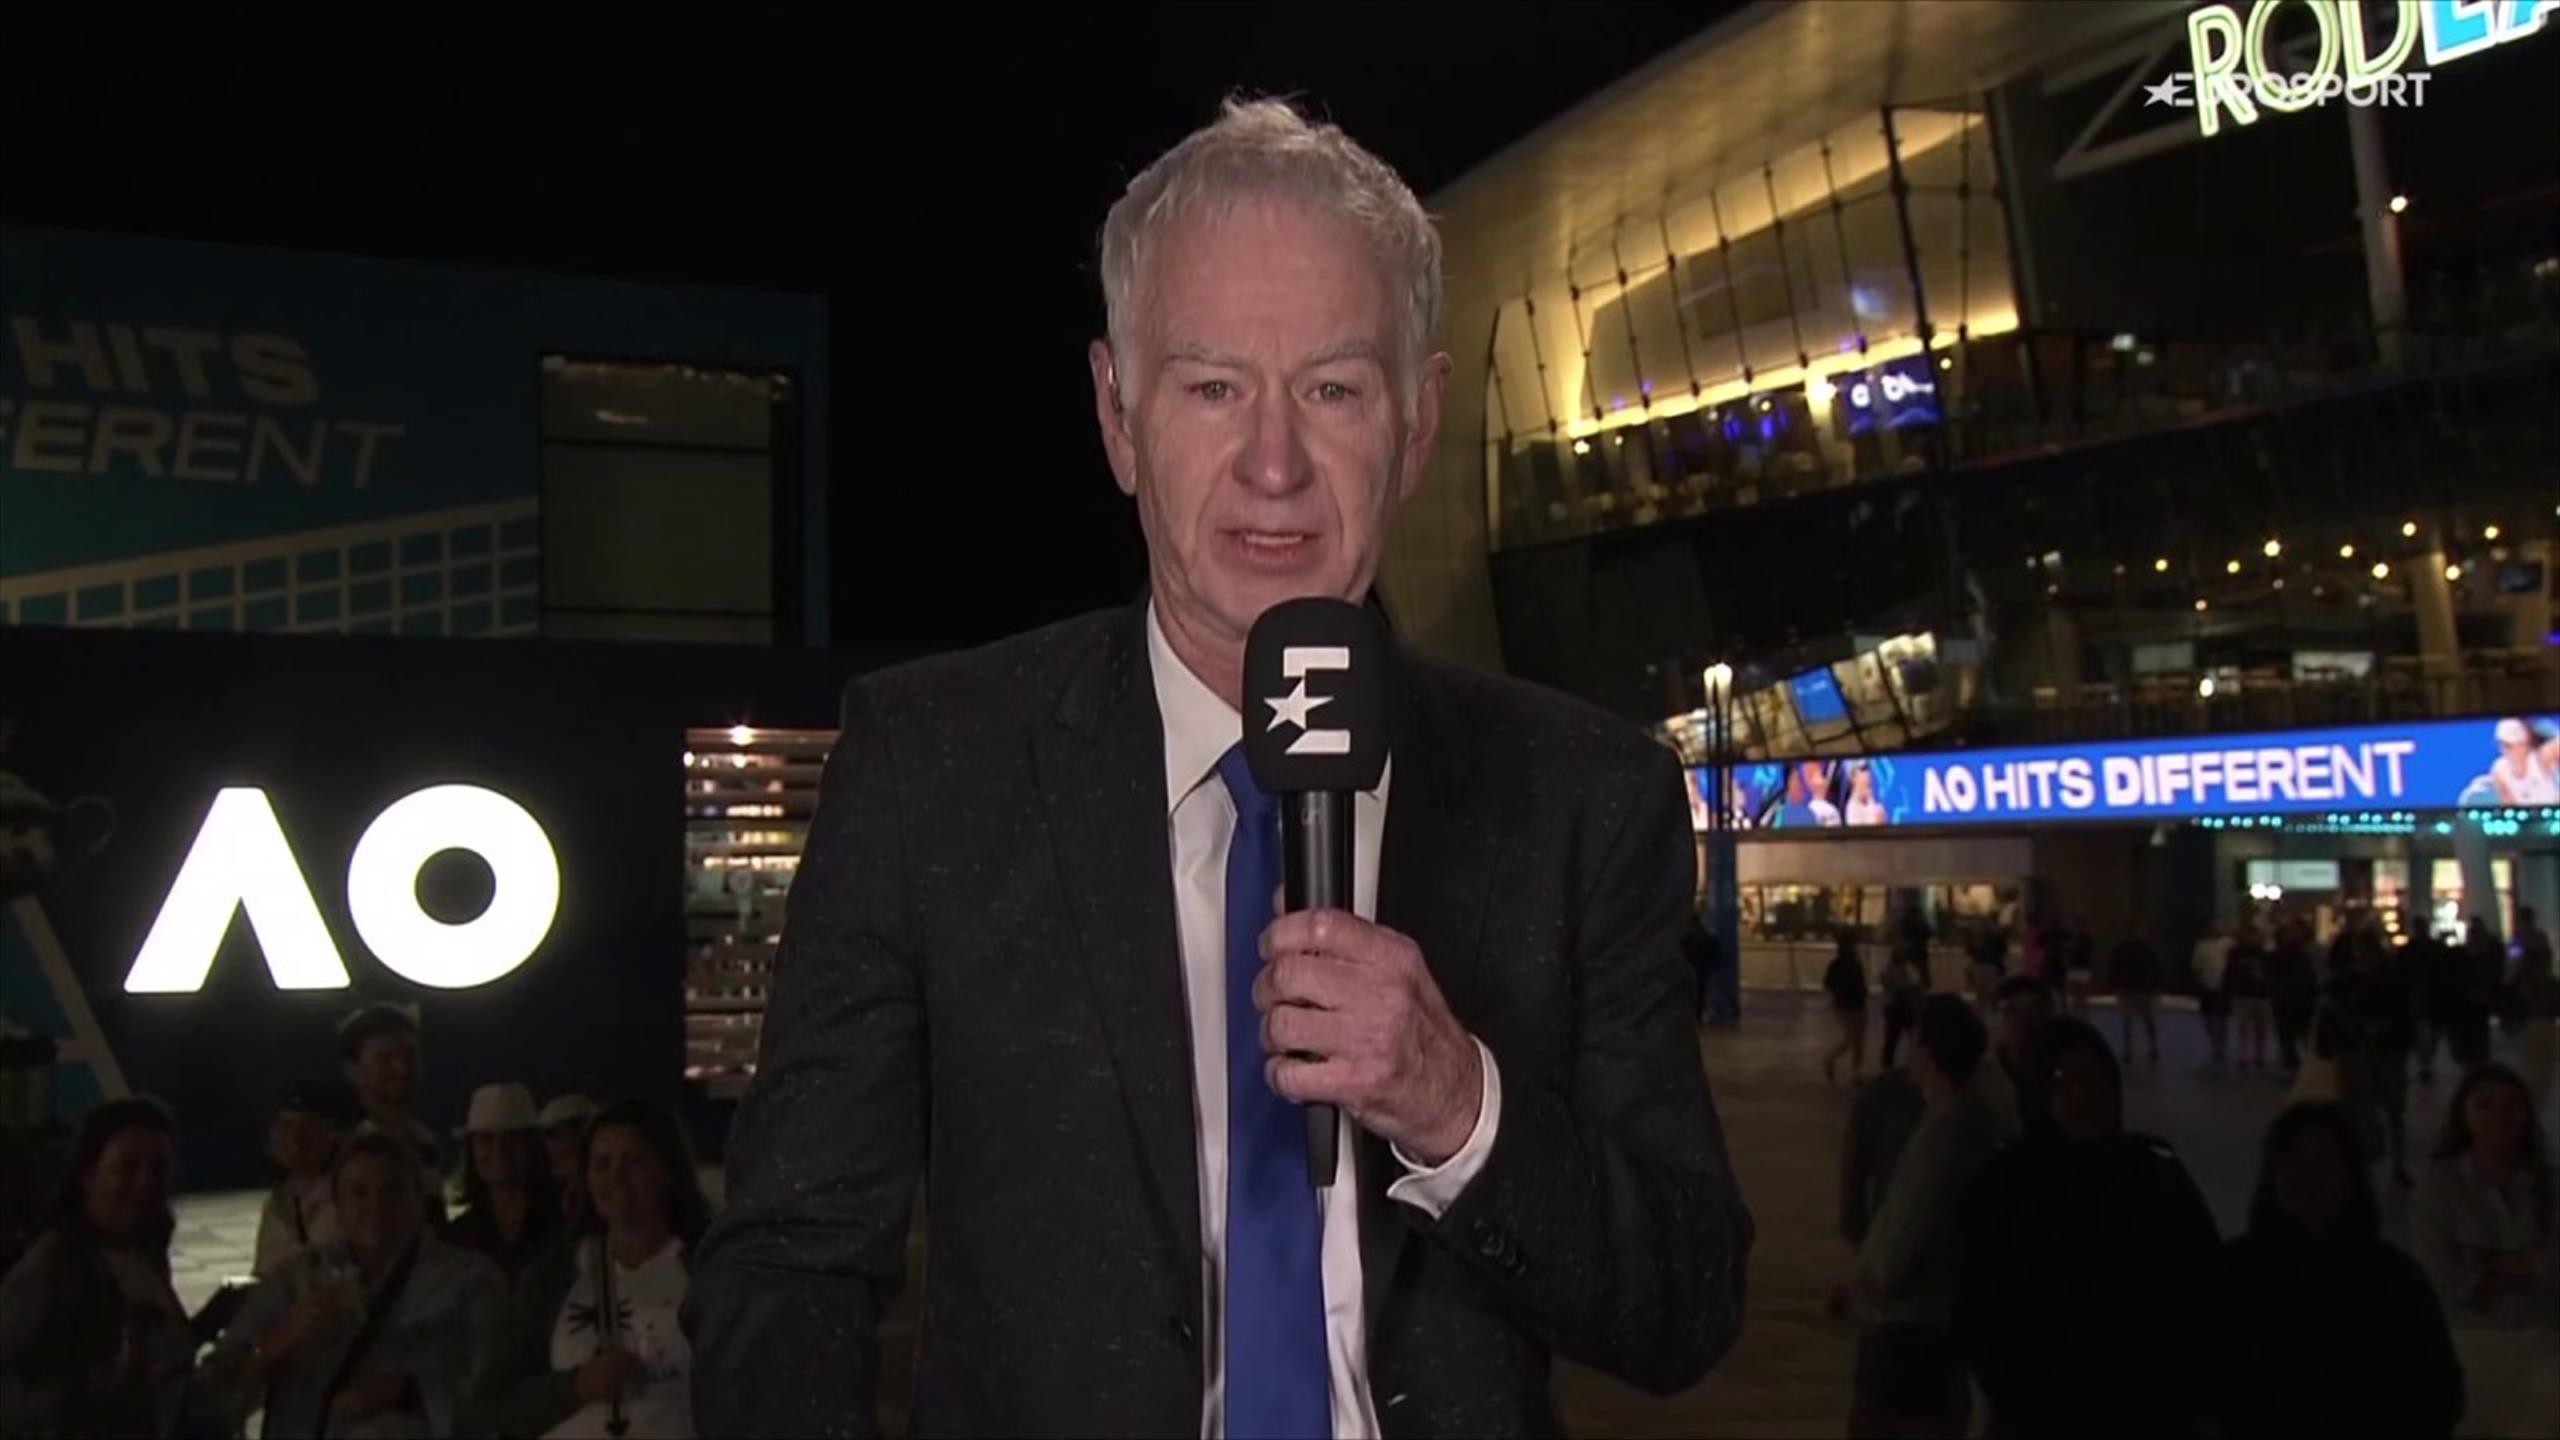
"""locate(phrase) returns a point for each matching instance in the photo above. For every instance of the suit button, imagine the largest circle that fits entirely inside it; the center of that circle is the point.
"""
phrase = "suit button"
(1183, 1334)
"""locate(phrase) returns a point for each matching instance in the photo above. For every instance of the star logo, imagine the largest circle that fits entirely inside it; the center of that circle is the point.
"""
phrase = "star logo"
(1294, 707)
(2172, 91)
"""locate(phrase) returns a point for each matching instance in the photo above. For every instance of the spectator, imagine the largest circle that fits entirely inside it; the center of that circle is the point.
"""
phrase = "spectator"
(2484, 975)
(2436, 969)
(1911, 1377)
(2322, 1328)
(2537, 1000)
(1990, 957)
(300, 1214)
(1845, 981)
(1881, 1121)
(2296, 987)
(2082, 1251)
(2208, 965)
(1698, 947)
(1902, 992)
(373, 1336)
(564, 1134)
(511, 1208)
(591, 1337)
(2486, 1224)
(2134, 969)
(2079, 966)
(93, 1341)
(2245, 979)
(2380, 1006)
(379, 1045)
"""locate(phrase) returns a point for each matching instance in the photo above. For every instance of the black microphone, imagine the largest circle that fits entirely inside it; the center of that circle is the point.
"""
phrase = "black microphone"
(1315, 735)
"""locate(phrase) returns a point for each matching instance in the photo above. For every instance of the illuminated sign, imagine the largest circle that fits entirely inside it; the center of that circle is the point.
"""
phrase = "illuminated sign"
(2482, 765)
(2233, 64)
(241, 861)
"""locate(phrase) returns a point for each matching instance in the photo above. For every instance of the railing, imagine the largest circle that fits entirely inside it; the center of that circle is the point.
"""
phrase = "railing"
(2011, 396)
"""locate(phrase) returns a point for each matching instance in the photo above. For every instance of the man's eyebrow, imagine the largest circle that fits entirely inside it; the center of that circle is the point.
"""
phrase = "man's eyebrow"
(1346, 350)
(1199, 354)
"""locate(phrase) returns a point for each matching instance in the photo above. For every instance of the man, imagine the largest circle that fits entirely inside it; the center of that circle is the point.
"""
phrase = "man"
(300, 1213)
(379, 1047)
(1911, 1376)
(1030, 927)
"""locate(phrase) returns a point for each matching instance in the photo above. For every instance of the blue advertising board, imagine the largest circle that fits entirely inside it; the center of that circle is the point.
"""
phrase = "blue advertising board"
(181, 413)
(2494, 762)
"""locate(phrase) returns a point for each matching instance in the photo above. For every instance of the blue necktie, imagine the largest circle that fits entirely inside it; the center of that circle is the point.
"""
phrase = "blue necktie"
(1278, 1381)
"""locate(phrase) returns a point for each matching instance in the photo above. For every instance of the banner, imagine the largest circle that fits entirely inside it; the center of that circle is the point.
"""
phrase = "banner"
(2487, 763)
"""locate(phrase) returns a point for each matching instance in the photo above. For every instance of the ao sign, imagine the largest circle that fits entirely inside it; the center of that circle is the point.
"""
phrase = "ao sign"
(2235, 65)
(240, 860)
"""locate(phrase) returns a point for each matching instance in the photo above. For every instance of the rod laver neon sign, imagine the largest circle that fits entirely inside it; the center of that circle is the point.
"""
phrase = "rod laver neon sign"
(2234, 68)
(241, 860)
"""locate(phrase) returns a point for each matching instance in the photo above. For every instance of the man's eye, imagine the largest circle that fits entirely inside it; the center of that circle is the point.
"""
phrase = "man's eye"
(1214, 390)
(1334, 392)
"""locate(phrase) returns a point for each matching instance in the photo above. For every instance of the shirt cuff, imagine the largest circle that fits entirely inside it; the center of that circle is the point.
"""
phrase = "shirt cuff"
(1432, 1189)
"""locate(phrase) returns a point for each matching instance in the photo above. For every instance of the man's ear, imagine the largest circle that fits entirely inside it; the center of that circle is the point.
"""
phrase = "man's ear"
(1111, 412)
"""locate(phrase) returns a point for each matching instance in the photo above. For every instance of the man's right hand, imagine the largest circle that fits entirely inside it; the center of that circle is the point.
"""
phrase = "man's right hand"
(612, 1374)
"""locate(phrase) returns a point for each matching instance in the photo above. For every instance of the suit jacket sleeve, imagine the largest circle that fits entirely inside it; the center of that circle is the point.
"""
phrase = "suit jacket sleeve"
(1606, 1216)
(790, 1286)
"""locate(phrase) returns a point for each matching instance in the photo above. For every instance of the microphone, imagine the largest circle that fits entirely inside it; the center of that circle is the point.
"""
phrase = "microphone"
(1315, 735)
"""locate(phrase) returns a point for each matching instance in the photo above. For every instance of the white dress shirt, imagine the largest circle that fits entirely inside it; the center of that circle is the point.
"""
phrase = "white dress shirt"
(1199, 727)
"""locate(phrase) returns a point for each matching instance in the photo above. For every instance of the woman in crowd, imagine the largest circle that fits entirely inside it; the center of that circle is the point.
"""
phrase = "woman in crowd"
(510, 1208)
(303, 1142)
(591, 1340)
(2486, 1224)
(2320, 1327)
(369, 1338)
(93, 1341)
(2081, 1253)
(1845, 981)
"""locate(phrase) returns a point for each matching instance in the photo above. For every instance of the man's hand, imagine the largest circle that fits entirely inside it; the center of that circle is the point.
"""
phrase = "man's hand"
(1351, 1017)
(612, 1374)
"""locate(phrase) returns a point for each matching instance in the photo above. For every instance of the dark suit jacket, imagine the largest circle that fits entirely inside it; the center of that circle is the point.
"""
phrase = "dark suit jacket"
(980, 977)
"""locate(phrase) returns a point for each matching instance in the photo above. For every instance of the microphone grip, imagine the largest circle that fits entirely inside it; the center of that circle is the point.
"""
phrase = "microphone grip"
(1315, 866)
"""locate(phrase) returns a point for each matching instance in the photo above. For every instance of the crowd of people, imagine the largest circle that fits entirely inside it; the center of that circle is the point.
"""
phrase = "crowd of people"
(2014, 1241)
(544, 1303)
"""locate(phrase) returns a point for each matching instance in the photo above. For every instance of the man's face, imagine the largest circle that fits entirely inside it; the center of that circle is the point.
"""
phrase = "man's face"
(378, 1206)
(1264, 436)
(385, 1071)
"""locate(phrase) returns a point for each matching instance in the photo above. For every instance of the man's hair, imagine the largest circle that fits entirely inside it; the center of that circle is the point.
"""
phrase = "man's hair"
(1266, 150)
(1952, 1034)
(380, 1018)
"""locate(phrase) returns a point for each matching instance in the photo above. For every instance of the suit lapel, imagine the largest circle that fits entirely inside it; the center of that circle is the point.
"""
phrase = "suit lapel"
(1101, 772)
(1435, 871)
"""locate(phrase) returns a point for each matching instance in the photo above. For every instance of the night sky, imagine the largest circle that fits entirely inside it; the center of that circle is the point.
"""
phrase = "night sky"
(745, 150)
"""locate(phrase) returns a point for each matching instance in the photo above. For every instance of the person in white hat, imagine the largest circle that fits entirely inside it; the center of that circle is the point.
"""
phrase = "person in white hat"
(511, 1209)
(564, 1129)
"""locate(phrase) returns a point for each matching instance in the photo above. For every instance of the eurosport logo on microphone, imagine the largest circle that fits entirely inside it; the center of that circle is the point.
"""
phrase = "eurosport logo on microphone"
(1296, 663)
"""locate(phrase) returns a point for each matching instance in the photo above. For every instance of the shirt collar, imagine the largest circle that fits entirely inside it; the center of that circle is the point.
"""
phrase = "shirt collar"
(1198, 726)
